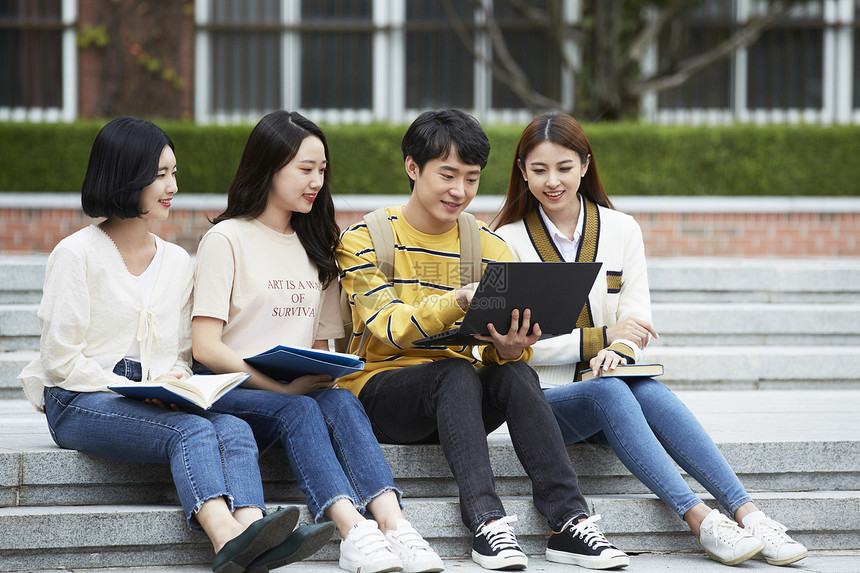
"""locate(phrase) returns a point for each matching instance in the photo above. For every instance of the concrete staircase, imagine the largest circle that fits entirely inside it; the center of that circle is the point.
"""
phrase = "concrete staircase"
(790, 329)
(756, 324)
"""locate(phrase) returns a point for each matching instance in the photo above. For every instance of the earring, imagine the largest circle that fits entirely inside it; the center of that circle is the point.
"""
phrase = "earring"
(583, 175)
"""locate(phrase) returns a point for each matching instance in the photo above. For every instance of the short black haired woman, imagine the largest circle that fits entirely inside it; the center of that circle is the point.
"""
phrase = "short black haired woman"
(266, 275)
(117, 305)
(557, 210)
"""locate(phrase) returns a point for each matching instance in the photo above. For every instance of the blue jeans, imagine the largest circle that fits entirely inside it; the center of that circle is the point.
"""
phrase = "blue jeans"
(327, 439)
(130, 369)
(451, 403)
(644, 421)
(210, 455)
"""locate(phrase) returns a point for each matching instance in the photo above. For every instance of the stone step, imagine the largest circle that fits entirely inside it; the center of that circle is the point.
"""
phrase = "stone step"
(126, 535)
(757, 367)
(803, 474)
(670, 279)
(757, 432)
(19, 327)
(11, 364)
(51, 476)
(678, 323)
(756, 324)
(686, 367)
(707, 279)
(651, 562)
(21, 278)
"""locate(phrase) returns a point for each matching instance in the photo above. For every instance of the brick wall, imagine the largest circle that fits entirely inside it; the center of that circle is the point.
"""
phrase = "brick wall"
(672, 227)
(112, 80)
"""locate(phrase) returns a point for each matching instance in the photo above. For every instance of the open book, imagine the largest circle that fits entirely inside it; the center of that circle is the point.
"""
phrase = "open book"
(626, 371)
(201, 390)
(285, 363)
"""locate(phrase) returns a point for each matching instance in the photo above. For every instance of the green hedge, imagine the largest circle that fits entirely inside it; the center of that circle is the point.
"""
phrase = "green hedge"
(634, 159)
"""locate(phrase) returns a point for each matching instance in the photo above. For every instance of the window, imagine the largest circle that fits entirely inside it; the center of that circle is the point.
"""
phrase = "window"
(440, 69)
(786, 63)
(246, 65)
(534, 52)
(709, 88)
(797, 70)
(856, 41)
(35, 56)
(336, 60)
(364, 60)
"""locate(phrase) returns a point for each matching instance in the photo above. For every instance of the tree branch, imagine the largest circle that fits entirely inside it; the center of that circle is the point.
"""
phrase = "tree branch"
(509, 73)
(653, 28)
(555, 26)
(744, 37)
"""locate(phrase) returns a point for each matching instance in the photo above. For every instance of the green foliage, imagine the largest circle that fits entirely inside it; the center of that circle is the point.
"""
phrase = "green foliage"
(633, 159)
(92, 36)
(44, 156)
(366, 159)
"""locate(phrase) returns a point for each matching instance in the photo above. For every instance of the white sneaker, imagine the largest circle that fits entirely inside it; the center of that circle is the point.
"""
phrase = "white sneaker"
(779, 548)
(366, 550)
(415, 553)
(725, 542)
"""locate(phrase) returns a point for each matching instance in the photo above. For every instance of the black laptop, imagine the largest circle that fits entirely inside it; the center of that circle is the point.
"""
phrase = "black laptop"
(554, 292)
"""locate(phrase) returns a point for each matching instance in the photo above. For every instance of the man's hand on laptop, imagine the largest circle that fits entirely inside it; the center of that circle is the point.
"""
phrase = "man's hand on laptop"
(464, 295)
(511, 345)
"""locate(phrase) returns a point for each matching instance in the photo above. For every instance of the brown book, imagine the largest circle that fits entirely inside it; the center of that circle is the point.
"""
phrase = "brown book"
(626, 371)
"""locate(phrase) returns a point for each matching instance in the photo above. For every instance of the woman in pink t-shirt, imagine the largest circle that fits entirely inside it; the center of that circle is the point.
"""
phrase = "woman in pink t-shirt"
(116, 307)
(266, 275)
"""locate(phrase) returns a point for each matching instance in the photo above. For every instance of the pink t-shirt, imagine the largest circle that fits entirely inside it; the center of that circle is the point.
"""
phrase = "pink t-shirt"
(263, 286)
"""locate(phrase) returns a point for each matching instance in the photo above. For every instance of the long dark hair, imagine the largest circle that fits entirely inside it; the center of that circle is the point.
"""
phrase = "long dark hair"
(273, 143)
(561, 129)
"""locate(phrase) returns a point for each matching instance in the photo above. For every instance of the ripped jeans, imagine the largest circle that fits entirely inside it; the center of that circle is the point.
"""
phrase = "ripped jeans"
(327, 440)
(210, 454)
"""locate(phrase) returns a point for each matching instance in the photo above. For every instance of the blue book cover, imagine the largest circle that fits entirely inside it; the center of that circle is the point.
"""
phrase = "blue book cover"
(285, 363)
(201, 390)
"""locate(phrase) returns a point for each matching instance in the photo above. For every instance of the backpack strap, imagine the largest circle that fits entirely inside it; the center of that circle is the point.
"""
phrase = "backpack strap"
(470, 249)
(382, 238)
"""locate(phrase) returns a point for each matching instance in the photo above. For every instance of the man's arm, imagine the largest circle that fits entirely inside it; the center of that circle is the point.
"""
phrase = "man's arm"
(375, 302)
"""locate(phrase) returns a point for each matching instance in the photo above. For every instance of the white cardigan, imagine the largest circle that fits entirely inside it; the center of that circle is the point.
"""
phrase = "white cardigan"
(620, 248)
(92, 311)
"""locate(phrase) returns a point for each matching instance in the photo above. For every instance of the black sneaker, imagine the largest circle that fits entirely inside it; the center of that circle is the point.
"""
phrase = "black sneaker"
(582, 544)
(495, 546)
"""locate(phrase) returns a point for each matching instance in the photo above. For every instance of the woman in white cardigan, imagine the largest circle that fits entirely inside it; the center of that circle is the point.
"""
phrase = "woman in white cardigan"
(557, 210)
(116, 305)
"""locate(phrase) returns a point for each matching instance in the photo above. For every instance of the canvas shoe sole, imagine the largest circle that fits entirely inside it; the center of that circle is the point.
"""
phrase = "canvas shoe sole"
(507, 560)
(608, 560)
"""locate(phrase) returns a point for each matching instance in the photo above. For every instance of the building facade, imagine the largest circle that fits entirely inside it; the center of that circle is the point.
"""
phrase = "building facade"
(355, 61)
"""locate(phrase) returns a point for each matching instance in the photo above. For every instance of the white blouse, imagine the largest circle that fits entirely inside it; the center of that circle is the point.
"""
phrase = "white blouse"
(92, 312)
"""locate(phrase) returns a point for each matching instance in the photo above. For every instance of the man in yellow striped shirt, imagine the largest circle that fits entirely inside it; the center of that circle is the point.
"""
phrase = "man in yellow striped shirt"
(456, 395)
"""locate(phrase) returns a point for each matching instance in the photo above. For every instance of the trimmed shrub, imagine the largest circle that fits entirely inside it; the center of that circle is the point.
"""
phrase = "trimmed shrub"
(634, 159)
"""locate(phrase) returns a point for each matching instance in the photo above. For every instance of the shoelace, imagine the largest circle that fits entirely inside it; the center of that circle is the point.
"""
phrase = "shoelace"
(407, 535)
(370, 540)
(728, 530)
(588, 532)
(499, 534)
(772, 530)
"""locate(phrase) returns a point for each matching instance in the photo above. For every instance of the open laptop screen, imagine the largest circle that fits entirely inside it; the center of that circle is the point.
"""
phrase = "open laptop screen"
(554, 292)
